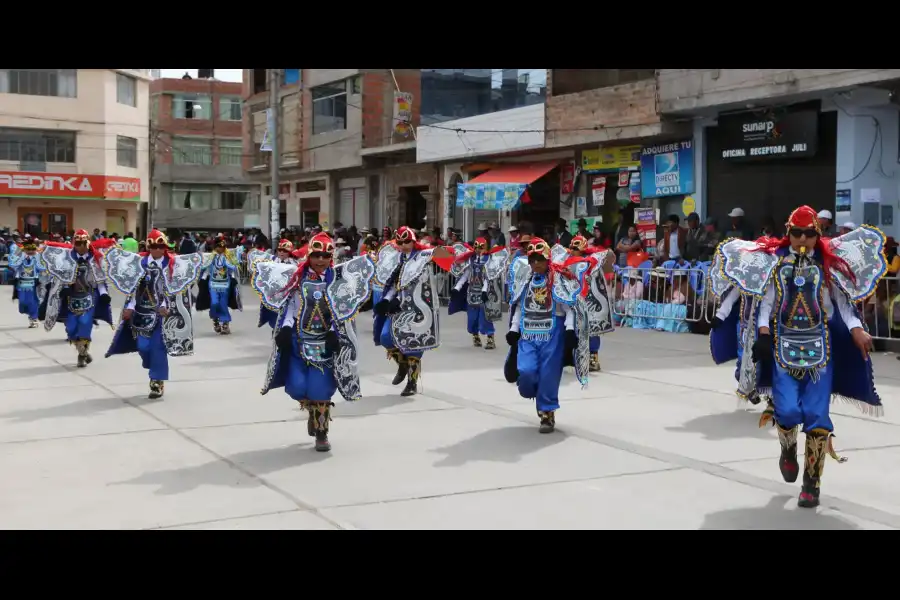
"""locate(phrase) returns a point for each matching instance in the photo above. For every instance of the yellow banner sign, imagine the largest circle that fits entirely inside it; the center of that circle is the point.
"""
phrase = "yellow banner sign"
(614, 157)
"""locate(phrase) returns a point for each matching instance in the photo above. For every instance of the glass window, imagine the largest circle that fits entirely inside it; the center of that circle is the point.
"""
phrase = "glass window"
(188, 151)
(229, 108)
(192, 199)
(126, 151)
(62, 83)
(233, 200)
(230, 153)
(329, 107)
(37, 145)
(449, 94)
(126, 90)
(192, 106)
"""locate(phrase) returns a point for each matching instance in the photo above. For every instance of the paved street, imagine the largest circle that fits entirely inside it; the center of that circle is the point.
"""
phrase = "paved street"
(656, 442)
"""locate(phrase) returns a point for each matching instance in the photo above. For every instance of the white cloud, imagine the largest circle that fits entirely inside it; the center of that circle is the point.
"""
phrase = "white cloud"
(221, 74)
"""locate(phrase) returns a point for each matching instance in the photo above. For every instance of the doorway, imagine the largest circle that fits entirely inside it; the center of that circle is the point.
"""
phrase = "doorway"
(38, 221)
(117, 222)
(416, 210)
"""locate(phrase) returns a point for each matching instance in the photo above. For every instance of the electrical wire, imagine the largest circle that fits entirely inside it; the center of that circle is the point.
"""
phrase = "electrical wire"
(878, 134)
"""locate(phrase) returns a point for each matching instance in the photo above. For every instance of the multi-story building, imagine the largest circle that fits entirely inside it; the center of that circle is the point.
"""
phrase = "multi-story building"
(73, 149)
(197, 175)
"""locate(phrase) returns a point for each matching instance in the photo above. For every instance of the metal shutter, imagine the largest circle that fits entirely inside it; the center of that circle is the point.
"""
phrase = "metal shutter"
(354, 207)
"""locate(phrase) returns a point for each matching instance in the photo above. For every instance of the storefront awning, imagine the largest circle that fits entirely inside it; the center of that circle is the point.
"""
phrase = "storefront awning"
(501, 188)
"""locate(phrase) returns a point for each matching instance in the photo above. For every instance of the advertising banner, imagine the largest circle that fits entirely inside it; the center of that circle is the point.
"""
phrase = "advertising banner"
(667, 169)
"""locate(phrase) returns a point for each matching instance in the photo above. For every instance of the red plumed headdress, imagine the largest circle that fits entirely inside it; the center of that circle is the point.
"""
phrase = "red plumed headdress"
(321, 242)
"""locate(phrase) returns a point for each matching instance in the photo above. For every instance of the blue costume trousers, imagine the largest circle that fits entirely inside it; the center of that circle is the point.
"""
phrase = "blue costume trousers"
(267, 316)
(740, 351)
(218, 305)
(478, 322)
(803, 402)
(28, 302)
(387, 340)
(79, 327)
(595, 344)
(305, 382)
(153, 354)
(540, 367)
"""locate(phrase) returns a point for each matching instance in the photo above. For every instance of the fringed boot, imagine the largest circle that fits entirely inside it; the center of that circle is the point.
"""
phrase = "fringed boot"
(156, 389)
(216, 326)
(768, 415)
(320, 413)
(32, 323)
(476, 340)
(226, 329)
(548, 420)
(595, 363)
(490, 344)
(402, 365)
(787, 462)
(84, 359)
(412, 383)
(818, 444)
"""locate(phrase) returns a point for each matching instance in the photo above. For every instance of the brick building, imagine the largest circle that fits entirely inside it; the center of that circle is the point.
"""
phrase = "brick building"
(198, 175)
(344, 156)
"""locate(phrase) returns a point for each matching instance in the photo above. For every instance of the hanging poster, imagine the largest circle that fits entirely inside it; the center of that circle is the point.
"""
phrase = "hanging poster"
(645, 221)
(580, 206)
(624, 177)
(567, 178)
(598, 190)
(842, 201)
(634, 187)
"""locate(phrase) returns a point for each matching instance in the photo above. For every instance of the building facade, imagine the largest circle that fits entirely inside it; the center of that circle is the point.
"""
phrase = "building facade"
(198, 177)
(74, 149)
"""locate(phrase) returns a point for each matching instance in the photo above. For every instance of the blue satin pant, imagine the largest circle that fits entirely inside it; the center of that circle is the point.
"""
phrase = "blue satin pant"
(306, 382)
(803, 402)
(540, 367)
(153, 354)
(79, 327)
(477, 321)
(218, 305)
(28, 302)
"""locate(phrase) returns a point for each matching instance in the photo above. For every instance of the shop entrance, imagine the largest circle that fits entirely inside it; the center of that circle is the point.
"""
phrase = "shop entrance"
(415, 211)
(40, 220)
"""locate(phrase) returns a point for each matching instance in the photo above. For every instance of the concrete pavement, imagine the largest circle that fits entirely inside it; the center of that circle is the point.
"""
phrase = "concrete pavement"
(657, 441)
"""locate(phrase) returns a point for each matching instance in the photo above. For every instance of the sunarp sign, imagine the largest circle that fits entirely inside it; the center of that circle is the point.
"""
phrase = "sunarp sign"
(69, 186)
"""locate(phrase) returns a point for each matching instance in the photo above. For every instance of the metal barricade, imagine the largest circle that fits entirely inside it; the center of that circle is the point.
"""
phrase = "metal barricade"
(663, 299)
(881, 313)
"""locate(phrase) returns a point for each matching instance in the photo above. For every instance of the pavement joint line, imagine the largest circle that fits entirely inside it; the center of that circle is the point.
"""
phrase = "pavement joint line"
(842, 451)
(504, 488)
(224, 519)
(716, 470)
(79, 436)
(262, 481)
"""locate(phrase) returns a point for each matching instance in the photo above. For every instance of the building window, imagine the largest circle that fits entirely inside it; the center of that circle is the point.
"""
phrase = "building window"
(356, 85)
(329, 107)
(192, 199)
(36, 145)
(126, 151)
(260, 158)
(573, 81)
(231, 200)
(188, 151)
(62, 83)
(192, 106)
(230, 153)
(449, 94)
(126, 89)
(230, 108)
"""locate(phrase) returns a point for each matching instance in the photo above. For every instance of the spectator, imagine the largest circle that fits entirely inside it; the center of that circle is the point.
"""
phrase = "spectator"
(630, 242)
(672, 244)
(847, 228)
(563, 237)
(709, 240)
(582, 228)
(96, 235)
(483, 232)
(129, 244)
(496, 236)
(598, 239)
(187, 245)
(890, 251)
(739, 228)
(769, 228)
(826, 220)
(692, 238)
(513, 232)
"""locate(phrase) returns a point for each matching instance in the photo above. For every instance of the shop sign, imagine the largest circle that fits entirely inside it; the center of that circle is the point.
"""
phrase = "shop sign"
(748, 136)
(21, 184)
(611, 158)
(667, 169)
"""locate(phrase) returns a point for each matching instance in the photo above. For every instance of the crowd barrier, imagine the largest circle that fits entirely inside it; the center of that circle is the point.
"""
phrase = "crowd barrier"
(668, 298)
(881, 311)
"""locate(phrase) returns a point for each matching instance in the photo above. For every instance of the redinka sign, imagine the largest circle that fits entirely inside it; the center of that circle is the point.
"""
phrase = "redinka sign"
(749, 136)
(21, 184)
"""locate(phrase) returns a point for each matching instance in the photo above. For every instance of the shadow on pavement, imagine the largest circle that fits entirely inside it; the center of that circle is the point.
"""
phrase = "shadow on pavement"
(78, 408)
(505, 445)
(48, 342)
(776, 515)
(219, 473)
(726, 426)
(369, 405)
(25, 372)
(235, 361)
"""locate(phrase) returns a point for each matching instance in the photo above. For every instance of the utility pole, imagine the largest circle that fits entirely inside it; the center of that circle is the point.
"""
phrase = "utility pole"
(275, 203)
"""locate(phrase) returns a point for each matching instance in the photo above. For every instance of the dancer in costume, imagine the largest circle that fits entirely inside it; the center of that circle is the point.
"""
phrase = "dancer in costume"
(156, 320)
(219, 287)
(78, 291)
(479, 289)
(282, 256)
(315, 350)
(549, 319)
(406, 317)
(27, 268)
(809, 337)
(595, 293)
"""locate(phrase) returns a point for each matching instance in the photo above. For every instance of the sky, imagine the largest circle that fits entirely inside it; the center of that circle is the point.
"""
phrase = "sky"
(221, 74)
